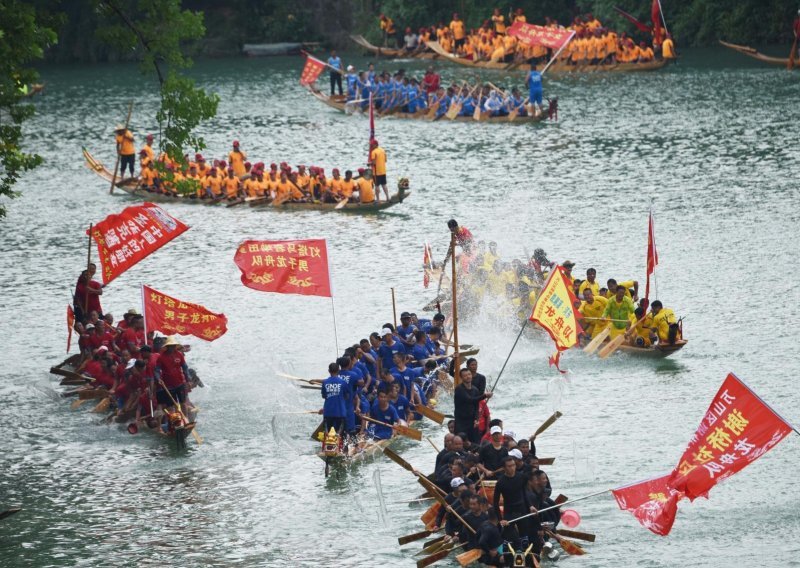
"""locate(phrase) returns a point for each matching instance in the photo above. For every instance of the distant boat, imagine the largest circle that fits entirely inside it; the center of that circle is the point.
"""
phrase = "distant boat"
(272, 49)
(755, 54)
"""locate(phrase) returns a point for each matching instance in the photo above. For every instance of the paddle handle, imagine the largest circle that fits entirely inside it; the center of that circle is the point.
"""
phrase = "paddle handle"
(560, 505)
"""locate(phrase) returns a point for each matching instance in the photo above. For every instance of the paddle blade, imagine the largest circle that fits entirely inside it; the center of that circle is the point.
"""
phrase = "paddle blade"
(468, 557)
(433, 558)
(412, 537)
(197, 437)
(596, 341)
(434, 547)
(560, 499)
(408, 432)
(397, 459)
(588, 537)
(612, 346)
(342, 203)
(102, 406)
(427, 412)
(546, 461)
(572, 548)
(76, 403)
(547, 423)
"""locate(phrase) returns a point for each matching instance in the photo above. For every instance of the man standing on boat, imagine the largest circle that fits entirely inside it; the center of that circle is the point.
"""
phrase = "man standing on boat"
(377, 161)
(125, 149)
(465, 399)
(337, 395)
(535, 91)
(336, 71)
(87, 295)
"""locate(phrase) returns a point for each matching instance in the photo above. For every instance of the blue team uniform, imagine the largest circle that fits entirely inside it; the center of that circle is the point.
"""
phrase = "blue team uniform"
(534, 82)
(386, 353)
(389, 416)
(337, 395)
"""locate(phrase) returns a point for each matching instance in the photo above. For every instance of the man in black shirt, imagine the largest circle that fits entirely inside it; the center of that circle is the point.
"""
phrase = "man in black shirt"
(489, 539)
(465, 400)
(440, 457)
(511, 486)
(474, 518)
(478, 380)
(493, 453)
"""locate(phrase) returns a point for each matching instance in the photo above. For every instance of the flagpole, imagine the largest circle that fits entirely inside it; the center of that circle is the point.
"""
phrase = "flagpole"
(335, 334)
(88, 266)
(144, 314)
(663, 19)
(503, 368)
(394, 309)
(560, 49)
(456, 354)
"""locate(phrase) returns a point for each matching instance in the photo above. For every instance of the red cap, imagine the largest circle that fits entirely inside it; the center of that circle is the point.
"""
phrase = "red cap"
(373, 142)
(143, 152)
(198, 157)
(360, 171)
(230, 170)
(336, 170)
(213, 170)
(408, 30)
(149, 137)
(455, 14)
(248, 164)
(201, 159)
(223, 164)
(235, 142)
(273, 166)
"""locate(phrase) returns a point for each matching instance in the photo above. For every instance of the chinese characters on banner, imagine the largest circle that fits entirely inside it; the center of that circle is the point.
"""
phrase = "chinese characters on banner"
(738, 429)
(168, 315)
(539, 35)
(285, 267)
(311, 70)
(554, 310)
(653, 502)
(125, 239)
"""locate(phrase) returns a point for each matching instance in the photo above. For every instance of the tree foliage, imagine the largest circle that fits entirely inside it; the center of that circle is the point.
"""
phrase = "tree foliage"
(23, 38)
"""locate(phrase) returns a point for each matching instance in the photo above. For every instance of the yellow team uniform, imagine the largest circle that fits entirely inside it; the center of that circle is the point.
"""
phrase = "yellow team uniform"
(627, 284)
(365, 190)
(661, 323)
(459, 29)
(251, 187)
(148, 177)
(595, 288)
(378, 158)
(499, 24)
(668, 49)
(125, 142)
(346, 188)
(231, 185)
(214, 184)
(643, 330)
(236, 161)
(594, 310)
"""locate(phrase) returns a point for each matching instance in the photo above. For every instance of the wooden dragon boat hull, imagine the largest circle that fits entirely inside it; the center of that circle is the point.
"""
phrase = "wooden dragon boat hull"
(392, 53)
(657, 351)
(557, 68)
(750, 52)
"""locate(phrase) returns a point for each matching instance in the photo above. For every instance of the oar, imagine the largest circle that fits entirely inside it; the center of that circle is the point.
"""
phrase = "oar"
(8, 513)
(392, 455)
(432, 444)
(428, 412)
(569, 547)
(434, 546)
(430, 485)
(470, 556)
(299, 412)
(116, 165)
(596, 341)
(615, 343)
(77, 403)
(546, 424)
(195, 435)
(413, 537)
(436, 557)
(399, 428)
(311, 387)
(588, 537)
(515, 112)
(102, 406)
(294, 378)
(790, 63)
(557, 505)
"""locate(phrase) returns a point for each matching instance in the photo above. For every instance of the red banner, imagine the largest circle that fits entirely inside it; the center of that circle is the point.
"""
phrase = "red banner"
(168, 315)
(285, 267)
(539, 35)
(70, 324)
(738, 429)
(125, 239)
(653, 502)
(311, 71)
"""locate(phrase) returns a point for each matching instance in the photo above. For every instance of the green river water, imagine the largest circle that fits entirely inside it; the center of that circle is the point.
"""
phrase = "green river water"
(711, 143)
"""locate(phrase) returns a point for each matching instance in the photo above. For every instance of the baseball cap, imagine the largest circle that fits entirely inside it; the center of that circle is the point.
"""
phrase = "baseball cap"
(496, 430)
(456, 482)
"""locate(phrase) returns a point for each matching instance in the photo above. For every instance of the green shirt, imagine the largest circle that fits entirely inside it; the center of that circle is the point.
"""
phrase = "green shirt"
(619, 311)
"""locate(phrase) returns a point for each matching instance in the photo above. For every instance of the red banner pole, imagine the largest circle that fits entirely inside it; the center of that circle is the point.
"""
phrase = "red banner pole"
(560, 49)
(88, 265)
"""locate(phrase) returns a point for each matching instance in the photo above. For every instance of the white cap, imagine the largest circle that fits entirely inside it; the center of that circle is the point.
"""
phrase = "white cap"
(386, 331)
(89, 326)
(516, 454)
(496, 430)
(351, 68)
(510, 434)
(131, 363)
(456, 482)
(102, 348)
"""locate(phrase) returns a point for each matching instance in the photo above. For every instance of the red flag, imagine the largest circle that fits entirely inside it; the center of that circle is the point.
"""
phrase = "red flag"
(652, 255)
(655, 17)
(125, 239)
(554, 361)
(539, 35)
(70, 325)
(285, 267)
(738, 429)
(311, 71)
(168, 315)
(653, 502)
(642, 27)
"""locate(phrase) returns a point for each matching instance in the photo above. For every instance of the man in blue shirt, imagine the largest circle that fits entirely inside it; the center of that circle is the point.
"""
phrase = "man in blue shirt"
(406, 329)
(400, 403)
(386, 413)
(405, 375)
(337, 395)
(388, 348)
(336, 71)
(534, 83)
(351, 378)
(420, 349)
(352, 83)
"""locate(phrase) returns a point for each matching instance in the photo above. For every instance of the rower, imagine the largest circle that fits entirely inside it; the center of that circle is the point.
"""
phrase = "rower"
(337, 395)
(493, 454)
(383, 411)
(478, 380)
(511, 487)
(619, 309)
(625, 285)
(400, 403)
(366, 192)
(592, 309)
(463, 235)
(231, 185)
(490, 539)
(351, 378)
(387, 348)
(405, 376)
(668, 47)
(125, 149)
(664, 323)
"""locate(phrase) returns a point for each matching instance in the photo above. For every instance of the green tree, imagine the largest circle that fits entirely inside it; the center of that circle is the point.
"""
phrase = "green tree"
(23, 39)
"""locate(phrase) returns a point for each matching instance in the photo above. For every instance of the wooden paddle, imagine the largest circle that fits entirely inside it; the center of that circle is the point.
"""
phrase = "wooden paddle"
(398, 428)
(413, 537)
(515, 111)
(70, 374)
(116, 165)
(428, 412)
(432, 488)
(342, 202)
(546, 424)
(102, 406)
(77, 403)
(470, 556)
(436, 557)
(434, 546)
(588, 537)
(392, 455)
(790, 63)
(294, 378)
(9, 512)
(432, 444)
(280, 200)
(572, 548)
(596, 341)
(615, 343)
(92, 394)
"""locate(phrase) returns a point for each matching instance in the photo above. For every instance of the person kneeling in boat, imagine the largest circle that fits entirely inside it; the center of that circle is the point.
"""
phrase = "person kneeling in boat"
(366, 192)
(490, 540)
(664, 323)
(643, 329)
(150, 179)
(286, 190)
(515, 102)
(337, 395)
(592, 309)
(619, 310)
(383, 411)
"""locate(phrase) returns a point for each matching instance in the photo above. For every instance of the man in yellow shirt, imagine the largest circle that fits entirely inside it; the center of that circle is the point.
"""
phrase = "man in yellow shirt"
(377, 161)
(459, 31)
(625, 285)
(519, 16)
(147, 149)
(237, 159)
(590, 282)
(125, 149)
(668, 49)
(347, 186)
(592, 309)
(499, 21)
(212, 184)
(568, 265)
(619, 310)
(387, 27)
(366, 193)
(664, 323)
(231, 185)
(645, 53)
(149, 178)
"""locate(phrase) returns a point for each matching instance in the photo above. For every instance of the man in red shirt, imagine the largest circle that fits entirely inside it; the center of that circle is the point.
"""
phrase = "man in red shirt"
(87, 294)
(430, 82)
(101, 337)
(132, 338)
(171, 373)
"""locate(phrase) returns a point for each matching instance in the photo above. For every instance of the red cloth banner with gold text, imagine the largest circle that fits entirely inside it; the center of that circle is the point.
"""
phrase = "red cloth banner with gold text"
(554, 310)
(311, 71)
(738, 429)
(653, 502)
(285, 267)
(539, 35)
(128, 237)
(169, 316)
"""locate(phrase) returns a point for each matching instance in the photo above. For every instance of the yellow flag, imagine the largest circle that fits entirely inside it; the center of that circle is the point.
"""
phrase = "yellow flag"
(555, 310)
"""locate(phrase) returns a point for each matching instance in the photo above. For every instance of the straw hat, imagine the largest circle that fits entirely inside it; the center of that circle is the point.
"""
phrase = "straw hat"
(119, 127)
(170, 341)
